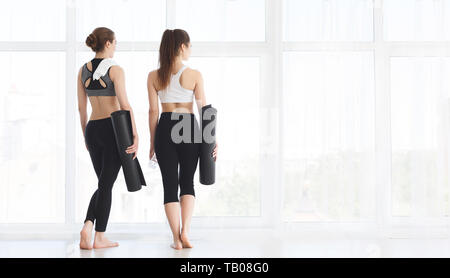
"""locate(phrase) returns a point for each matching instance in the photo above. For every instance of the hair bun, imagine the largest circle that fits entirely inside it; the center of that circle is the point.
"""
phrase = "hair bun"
(91, 41)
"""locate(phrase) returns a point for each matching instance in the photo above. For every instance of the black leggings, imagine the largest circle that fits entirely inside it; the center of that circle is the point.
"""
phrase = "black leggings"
(101, 142)
(170, 153)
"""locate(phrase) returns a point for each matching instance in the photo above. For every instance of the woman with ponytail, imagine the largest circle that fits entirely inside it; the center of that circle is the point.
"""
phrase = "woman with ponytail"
(176, 85)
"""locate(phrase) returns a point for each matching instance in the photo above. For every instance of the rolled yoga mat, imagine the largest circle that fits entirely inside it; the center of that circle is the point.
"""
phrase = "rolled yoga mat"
(208, 128)
(123, 131)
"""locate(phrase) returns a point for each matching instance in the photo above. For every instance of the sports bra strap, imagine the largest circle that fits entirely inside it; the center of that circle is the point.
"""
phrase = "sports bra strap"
(181, 71)
(174, 92)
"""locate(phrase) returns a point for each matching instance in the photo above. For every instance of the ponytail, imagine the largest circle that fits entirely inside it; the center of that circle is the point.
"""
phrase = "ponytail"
(170, 44)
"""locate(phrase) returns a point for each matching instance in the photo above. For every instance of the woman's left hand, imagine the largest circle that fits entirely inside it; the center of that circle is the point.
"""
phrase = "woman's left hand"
(214, 154)
(133, 148)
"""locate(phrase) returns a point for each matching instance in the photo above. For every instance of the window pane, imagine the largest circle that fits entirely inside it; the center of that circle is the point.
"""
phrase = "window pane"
(420, 136)
(132, 20)
(32, 133)
(232, 85)
(28, 20)
(328, 137)
(414, 20)
(328, 20)
(221, 20)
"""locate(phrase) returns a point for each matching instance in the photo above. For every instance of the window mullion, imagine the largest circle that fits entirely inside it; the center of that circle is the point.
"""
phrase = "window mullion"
(382, 122)
(70, 114)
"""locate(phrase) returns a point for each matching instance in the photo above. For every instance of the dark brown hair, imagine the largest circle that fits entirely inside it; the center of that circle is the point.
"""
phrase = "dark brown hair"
(170, 45)
(98, 38)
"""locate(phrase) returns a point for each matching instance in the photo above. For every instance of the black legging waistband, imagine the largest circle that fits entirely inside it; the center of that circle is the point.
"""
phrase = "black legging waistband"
(177, 116)
(100, 120)
(169, 114)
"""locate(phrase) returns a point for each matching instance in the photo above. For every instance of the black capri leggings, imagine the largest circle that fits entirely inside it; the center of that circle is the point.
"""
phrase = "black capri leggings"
(101, 143)
(170, 153)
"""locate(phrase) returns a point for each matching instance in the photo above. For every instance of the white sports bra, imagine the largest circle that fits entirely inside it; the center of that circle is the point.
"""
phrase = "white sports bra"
(174, 92)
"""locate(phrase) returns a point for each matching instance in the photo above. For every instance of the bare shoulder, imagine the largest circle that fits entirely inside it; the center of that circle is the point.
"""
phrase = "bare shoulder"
(191, 71)
(194, 73)
(115, 71)
(152, 78)
(152, 75)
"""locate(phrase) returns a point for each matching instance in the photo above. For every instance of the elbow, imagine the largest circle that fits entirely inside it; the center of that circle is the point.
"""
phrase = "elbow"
(153, 109)
(82, 110)
(153, 112)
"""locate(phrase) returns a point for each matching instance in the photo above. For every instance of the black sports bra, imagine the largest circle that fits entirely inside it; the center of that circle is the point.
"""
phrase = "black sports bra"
(95, 88)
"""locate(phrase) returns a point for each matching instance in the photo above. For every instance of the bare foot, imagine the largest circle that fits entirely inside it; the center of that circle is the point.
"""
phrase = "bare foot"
(103, 242)
(176, 244)
(185, 240)
(85, 236)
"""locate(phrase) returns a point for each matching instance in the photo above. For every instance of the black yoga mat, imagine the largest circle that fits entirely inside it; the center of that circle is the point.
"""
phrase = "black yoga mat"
(123, 131)
(208, 128)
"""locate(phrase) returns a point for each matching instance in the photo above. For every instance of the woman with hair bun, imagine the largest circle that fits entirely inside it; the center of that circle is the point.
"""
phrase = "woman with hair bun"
(103, 82)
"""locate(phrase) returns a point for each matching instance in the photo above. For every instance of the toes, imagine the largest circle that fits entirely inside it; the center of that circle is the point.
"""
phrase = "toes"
(112, 244)
(105, 244)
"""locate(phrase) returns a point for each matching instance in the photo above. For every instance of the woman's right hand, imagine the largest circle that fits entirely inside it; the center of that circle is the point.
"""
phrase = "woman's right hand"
(133, 148)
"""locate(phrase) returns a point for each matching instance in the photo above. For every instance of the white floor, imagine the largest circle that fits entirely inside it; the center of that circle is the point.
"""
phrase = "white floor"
(226, 243)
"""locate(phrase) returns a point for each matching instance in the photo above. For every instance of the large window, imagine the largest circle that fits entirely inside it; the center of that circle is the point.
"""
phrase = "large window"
(365, 111)
(329, 110)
